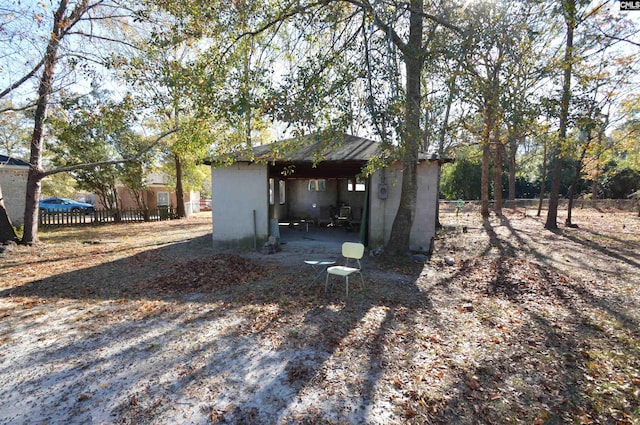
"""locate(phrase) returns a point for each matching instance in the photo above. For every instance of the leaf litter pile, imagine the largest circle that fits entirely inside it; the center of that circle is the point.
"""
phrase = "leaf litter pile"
(527, 326)
(216, 272)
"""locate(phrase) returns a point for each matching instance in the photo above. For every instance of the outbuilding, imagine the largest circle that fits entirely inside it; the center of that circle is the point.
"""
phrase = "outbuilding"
(319, 183)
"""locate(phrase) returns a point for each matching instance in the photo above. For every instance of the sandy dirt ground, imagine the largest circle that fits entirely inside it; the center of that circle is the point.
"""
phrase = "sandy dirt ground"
(147, 324)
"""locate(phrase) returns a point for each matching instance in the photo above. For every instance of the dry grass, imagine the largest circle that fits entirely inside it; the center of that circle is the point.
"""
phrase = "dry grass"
(147, 324)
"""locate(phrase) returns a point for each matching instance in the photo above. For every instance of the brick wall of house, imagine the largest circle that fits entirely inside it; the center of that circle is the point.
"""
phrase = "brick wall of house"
(13, 180)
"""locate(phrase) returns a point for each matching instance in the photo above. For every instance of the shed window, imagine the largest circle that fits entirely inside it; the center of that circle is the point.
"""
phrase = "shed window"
(272, 189)
(317, 185)
(357, 186)
(282, 192)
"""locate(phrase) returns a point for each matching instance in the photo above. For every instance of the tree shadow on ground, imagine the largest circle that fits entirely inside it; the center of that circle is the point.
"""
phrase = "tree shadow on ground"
(119, 279)
(547, 355)
(624, 252)
(307, 356)
(309, 325)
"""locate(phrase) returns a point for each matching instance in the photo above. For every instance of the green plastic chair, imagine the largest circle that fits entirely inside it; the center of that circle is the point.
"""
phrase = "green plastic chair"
(353, 253)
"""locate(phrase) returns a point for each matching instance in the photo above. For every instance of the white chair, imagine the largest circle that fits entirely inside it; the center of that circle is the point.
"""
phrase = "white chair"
(351, 251)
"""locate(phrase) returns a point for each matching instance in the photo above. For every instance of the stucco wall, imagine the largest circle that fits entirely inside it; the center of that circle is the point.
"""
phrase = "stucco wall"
(424, 224)
(236, 192)
(383, 211)
(13, 180)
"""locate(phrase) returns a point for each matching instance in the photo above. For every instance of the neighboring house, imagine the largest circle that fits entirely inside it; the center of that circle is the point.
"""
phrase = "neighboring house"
(249, 195)
(13, 180)
(159, 194)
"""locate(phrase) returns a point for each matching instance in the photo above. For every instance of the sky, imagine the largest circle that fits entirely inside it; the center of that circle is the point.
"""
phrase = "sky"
(25, 24)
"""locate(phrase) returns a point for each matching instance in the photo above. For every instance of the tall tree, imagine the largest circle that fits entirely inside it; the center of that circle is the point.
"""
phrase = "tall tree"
(173, 74)
(590, 54)
(99, 24)
(488, 48)
(569, 12)
(64, 21)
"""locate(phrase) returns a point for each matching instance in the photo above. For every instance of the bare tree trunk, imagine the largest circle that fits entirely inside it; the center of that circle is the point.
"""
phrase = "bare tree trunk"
(61, 24)
(180, 210)
(513, 149)
(399, 240)
(34, 178)
(543, 178)
(596, 177)
(497, 177)
(552, 212)
(572, 191)
(114, 200)
(554, 195)
(486, 154)
(7, 233)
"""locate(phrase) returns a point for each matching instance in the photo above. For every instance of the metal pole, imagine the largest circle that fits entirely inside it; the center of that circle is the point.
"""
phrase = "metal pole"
(255, 232)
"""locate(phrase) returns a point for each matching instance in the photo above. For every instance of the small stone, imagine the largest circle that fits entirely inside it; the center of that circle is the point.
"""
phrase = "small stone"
(449, 261)
(467, 307)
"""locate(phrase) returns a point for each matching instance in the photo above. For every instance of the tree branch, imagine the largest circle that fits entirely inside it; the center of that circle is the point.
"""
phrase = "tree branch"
(103, 38)
(111, 162)
(22, 80)
(69, 22)
(613, 37)
(14, 109)
(395, 38)
(436, 19)
(285, 14)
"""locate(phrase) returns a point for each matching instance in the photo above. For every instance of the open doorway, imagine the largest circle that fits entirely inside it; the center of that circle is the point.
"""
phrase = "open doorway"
(318, 209)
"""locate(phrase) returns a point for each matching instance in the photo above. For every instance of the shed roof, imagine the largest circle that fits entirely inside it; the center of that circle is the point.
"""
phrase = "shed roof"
(314, 148)
(310, 149)
(7, 160)
(315, 156)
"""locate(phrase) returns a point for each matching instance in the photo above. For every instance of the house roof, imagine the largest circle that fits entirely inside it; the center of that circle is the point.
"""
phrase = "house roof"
(7, 160)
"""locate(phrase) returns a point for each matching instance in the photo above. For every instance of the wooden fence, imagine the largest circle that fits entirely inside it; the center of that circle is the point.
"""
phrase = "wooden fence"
(622, 204)
(127, 215)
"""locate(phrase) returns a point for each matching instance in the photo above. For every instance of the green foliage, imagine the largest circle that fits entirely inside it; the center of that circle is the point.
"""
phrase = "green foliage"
(19, 230)
(461, 180)
(620, 184)
(60, 184)
(133, 177)
(95, 130)
(14, 132)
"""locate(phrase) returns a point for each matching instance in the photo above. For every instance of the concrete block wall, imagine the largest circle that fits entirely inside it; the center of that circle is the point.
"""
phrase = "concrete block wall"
(237, 191)
(424, 223)
(301, 199)
(383, 210)
(13, 180)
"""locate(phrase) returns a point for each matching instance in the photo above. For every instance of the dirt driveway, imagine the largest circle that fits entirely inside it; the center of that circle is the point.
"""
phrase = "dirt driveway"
(146, 324)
